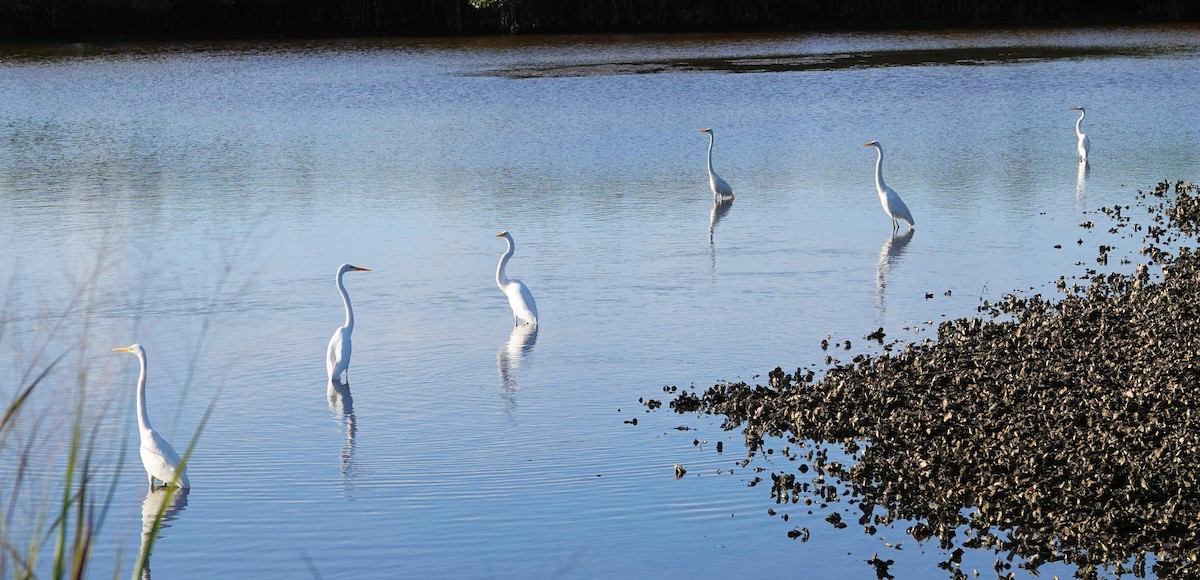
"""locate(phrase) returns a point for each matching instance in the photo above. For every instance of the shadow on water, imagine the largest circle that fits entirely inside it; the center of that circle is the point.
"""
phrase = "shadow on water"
(151, 507)
(508, 362)
(721, 206)
(889, 255)
(341, 405)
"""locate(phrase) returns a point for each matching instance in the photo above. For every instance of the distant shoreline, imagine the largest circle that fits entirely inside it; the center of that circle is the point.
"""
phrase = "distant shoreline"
(101, 20)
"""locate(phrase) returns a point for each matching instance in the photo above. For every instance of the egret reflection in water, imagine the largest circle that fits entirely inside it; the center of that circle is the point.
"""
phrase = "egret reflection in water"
(341, 405)
(170, 502)
(889, 255)
(719, 209)
(509, 357)
(1081, 181)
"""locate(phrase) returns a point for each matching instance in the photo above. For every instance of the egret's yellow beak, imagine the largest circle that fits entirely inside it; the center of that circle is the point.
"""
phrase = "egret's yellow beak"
(501, 234)
(362, 269)
(123, 349)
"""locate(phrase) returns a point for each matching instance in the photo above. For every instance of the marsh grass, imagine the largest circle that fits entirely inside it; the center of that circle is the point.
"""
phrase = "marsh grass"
(70, 521)
(57, 502)
(61, 473)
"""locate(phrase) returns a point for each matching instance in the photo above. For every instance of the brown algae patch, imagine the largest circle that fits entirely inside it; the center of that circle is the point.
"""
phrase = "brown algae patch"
(1064, 430)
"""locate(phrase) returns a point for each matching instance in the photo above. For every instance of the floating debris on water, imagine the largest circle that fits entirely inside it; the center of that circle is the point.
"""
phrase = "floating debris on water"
(881, 567)
(877, 335)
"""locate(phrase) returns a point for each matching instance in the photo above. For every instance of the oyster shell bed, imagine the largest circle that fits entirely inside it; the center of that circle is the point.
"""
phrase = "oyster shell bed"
(1045, 430)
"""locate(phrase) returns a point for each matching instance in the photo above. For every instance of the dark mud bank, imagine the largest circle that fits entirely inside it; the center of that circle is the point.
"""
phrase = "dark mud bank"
(1046, 429)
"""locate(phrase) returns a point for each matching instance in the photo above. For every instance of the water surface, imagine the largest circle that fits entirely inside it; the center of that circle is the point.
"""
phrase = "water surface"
(197, 198)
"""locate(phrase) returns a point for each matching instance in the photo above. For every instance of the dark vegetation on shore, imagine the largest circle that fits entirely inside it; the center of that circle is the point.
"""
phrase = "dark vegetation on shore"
(203, 19)
(1046, 430)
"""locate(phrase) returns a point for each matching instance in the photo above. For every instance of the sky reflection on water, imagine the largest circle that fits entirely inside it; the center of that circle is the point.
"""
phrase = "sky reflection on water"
(217, 186)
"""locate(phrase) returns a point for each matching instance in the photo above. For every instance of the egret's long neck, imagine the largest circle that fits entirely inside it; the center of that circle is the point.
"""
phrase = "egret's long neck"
(879, 170)
(1078, 131)
(346, 300)
(143, 416)
(501, 279)
(711, 138)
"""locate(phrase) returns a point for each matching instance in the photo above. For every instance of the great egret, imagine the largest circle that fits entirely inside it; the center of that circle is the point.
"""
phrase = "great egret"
(161, 461)
(337, 358)
(1084, 145)
(892, 204)
(519, 297)
(720, 187)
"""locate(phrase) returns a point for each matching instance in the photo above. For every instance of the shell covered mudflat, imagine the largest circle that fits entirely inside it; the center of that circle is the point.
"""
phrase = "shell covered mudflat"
(1060, 429)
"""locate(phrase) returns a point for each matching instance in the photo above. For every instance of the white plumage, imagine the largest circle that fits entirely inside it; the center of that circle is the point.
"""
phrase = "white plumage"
(519, 296)
(1083, 145)
(888, 198)
(720, 187)
(337, 357)
(161, 461)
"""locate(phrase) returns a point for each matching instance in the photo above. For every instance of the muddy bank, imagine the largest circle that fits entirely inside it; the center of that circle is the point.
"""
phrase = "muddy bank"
(1062, 428)
(826, 61)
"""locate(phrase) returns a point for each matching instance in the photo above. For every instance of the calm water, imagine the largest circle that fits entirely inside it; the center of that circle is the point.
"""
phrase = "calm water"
(197, 198)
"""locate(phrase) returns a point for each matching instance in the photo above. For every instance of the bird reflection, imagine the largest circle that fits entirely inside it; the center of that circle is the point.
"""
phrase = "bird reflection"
(721, 206)
(341, 405)
(889, 255)
(1081, 180)
(175, 500)
(719, 209)
(508, 361)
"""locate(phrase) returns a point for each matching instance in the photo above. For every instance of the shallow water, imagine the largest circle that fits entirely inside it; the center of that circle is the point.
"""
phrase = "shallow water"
(219, 185)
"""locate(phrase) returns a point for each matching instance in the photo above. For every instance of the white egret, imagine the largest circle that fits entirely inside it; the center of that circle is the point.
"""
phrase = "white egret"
(337, 358)
(892, 204)
(519, 297)
(161, 461)
(1084, 145)
(720, 187)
